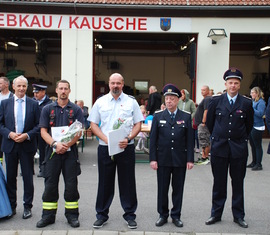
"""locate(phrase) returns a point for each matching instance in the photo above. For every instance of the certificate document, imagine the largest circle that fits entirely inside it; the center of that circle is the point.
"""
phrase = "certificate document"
(59, 132)
(114, 137)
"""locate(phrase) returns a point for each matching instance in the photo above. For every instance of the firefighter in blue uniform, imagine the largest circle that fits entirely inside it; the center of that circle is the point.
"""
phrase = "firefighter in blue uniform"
(65, 159)
(42, 99)
(171, 153)
(229, 120)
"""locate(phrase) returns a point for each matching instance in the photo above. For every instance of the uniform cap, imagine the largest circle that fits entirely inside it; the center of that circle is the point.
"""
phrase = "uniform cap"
(171, 89)
(233, 73)
(37, 88)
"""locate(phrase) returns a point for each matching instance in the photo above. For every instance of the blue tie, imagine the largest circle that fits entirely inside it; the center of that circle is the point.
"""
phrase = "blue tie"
(172, 116)
(231, 103)
(19, 116)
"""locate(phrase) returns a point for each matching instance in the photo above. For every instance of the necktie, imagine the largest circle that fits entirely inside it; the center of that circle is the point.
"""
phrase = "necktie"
(19, 117)
(172, 116)
(231, 103)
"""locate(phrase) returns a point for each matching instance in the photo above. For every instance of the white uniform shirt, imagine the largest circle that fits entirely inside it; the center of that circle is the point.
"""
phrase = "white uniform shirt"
(106, 111)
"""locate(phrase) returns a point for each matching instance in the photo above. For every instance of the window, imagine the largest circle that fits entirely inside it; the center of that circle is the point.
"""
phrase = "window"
(141, 85)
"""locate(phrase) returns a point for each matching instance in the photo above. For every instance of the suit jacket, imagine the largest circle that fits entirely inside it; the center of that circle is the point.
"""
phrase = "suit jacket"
(172, 141)
(229, 127)
(7, 124)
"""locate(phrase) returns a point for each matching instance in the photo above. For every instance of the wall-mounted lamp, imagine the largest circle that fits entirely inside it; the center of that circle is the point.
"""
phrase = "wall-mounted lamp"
(216, 34)
(99, 46)
(265, 48)
(12, 44)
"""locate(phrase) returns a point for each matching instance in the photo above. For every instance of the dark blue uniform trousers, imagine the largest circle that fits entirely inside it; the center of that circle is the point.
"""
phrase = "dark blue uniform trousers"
(26, 162)
(125, 164)
(237, 170)
(165, 175)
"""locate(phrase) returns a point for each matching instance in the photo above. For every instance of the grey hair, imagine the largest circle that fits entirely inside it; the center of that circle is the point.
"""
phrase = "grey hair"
(22, 78)
(5, 79)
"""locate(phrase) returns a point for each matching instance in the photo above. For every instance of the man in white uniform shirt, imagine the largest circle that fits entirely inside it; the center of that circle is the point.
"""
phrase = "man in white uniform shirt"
(110, 111)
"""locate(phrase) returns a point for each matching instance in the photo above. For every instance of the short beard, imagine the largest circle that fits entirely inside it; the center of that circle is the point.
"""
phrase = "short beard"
(116, 91)
(63, 98)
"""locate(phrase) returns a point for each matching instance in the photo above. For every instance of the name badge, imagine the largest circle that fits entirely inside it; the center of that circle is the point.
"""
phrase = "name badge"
(162, 121)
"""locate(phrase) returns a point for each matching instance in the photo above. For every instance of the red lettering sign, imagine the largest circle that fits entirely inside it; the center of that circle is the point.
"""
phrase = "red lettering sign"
(23, 21)
(142, 24)
(73, 22)
(11, 20)
(107, 23)
(1, 19)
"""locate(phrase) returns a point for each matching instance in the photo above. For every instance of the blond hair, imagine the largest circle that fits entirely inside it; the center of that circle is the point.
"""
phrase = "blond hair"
(259, 93)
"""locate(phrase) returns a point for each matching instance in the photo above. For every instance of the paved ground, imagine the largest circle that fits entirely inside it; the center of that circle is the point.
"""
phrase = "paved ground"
(196, 204)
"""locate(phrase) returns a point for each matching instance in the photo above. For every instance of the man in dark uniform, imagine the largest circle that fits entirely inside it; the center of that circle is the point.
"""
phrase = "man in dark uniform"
(61, 113)
(171, 153)
(230, 120)
(42, 99)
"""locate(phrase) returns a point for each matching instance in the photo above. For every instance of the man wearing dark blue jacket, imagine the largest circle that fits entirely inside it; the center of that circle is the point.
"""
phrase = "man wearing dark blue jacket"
(229, 120)
(19, 119)
(171, 153)
(42, 99)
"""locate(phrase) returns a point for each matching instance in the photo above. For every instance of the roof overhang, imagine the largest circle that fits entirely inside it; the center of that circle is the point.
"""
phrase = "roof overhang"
(76, 8)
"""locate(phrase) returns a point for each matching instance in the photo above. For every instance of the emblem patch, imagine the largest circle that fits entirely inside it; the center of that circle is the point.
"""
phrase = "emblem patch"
(165, 24)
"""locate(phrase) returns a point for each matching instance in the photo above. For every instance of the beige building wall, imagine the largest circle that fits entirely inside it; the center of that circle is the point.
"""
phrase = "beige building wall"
(158, 70)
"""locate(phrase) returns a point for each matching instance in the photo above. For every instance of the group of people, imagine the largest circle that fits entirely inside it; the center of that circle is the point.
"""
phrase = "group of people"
(227, 120)
(26, 125)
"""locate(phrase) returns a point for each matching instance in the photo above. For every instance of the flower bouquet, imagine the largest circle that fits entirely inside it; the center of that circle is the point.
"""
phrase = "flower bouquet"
(67, 135)
(74, 129)
(123, 123)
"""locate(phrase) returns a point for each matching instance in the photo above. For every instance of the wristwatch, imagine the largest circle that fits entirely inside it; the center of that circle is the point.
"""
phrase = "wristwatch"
(203, 122)
(128, 139)
(53, 145)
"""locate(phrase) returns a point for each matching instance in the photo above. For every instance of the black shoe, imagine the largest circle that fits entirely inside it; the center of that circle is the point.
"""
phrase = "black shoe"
(257, 168)
(241, 222)
(12, 214)
(74, 222)
(132, 224)
(251, 165)
(27, 213)
(212, 220)
(177, 223)
(99, 223)
(161, 221)
(40, 174)
(45, 222)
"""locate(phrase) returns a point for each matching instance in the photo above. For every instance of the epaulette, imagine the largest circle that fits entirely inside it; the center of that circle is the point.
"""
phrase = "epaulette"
(216, 95)
(186, 111)
(131, 96)
(247, 97)
(158, 111)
